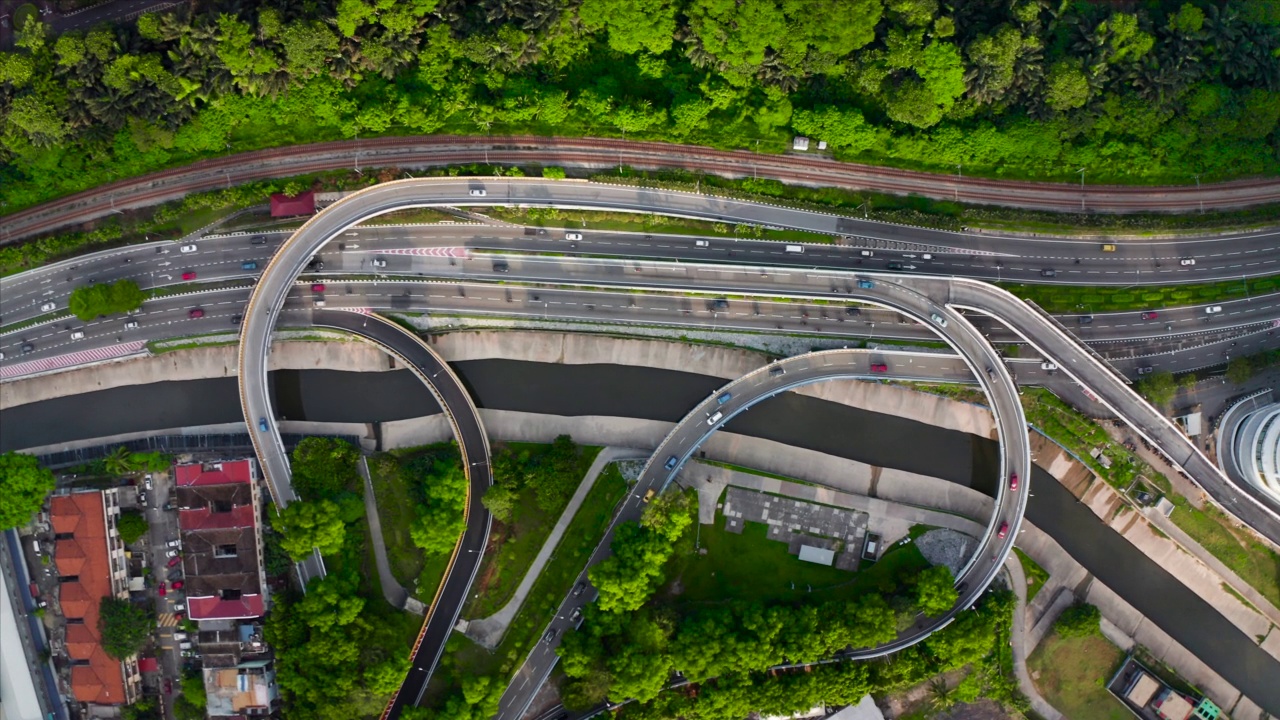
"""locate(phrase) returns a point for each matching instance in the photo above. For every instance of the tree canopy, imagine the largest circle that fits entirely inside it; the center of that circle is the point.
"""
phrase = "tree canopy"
(26, 484)
(132, 526)
(1028, 88)
(310, 524)
(323, 467)
(935, 590)
(124, 627)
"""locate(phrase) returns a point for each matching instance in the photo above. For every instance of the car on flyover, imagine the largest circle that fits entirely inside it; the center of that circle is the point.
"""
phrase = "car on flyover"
(477, 192)
(1013, 482)
(317, 287)
(1004, 530)
(942, 322)
(879, 368)
(1146, 370)
(672, 462)
(262, 424)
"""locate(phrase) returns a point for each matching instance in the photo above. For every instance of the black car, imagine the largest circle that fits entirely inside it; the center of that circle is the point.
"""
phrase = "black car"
(258, 240)
(235, 319)
(579, 588)
(551, 635)
(851, 310)
(1085, 319)
(721, 304)
(894, 265)
(28, 348)
(501, 266)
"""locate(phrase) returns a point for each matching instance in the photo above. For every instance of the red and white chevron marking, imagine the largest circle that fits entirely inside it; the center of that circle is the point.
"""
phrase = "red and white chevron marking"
(357, 310)
(59, 362)
(455, 252)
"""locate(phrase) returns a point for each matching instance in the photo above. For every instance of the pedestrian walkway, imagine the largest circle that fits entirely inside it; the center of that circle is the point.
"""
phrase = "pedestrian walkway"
(489, 631)
(1021, 649)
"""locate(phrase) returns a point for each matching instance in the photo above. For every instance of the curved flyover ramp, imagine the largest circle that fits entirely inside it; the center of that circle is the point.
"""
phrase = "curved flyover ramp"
(473, 443)
(763, 383)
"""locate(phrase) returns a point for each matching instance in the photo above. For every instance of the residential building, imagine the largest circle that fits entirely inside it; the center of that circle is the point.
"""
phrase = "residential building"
(218, 518)
(90, 560)
(245, 690)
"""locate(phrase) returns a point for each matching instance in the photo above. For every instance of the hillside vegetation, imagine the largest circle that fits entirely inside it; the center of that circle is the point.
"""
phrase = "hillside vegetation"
(1163, 92)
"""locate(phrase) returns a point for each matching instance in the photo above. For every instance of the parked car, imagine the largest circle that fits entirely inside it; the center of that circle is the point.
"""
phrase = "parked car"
(188, 249)
(1151, 315)
(175, 560)
(1004, 530)
(576, 615)
(195, 313)
(174, 543)
(180, 636)
(170, 553)
(177, 584)
(189, 275)
(48, 307)
(146, 482)
(1013, 482)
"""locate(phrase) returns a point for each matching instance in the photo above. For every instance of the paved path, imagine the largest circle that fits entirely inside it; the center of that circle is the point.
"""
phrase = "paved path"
(392, 590)
(489, 631)
(1019, 636)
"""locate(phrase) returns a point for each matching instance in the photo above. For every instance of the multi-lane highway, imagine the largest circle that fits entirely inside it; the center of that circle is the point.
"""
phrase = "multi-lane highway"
(595, 153)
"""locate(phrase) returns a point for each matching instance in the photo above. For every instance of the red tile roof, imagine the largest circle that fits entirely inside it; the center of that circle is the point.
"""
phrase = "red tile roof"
(240, 516)
(229, 472)
(102, 679)
(215, 608)
(283, 206)
(148, 664)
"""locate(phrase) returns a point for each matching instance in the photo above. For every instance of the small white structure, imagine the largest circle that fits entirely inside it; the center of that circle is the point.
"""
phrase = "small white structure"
(820, 556)
(865, 710)
(800, 143)
(822, 144)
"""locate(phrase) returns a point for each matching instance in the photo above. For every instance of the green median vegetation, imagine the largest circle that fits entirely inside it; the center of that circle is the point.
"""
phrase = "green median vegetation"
(91, 301)
(1036, 575)
(1072, 665)
(1088, 299)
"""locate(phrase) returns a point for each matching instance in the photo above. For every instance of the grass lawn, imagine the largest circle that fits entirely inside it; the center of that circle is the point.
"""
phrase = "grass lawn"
(376, 608)
(397, 511)
(734, 566)
(1254, 562)
(1071, 672)
(513, 547)
(464, 658)
(1036, 575)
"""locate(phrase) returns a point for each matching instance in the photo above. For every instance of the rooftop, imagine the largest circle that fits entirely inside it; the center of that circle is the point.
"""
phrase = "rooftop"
(194, 474)
(301, 204)
(246, 689)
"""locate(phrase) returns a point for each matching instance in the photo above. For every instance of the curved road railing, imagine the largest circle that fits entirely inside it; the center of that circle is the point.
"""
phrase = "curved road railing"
(601, 153)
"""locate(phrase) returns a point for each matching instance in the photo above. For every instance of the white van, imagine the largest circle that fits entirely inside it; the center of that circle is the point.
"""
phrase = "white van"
(798, 249)
(701, 243)
(715, 418)
(1213, 310)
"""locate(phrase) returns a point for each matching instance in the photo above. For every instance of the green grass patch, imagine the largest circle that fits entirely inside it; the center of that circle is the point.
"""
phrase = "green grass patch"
(376, 608)
(1084, 299)
(1072, 673)
(412, 216)
(48, 317)
(1036, 575)
(396, 511)
(750, 566)
(557, 221)
(1247, 557)
(464, 658)
(24, 14)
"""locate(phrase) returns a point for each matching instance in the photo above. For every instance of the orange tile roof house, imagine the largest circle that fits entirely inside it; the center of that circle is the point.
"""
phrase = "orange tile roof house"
(90, 560)
(218, 510)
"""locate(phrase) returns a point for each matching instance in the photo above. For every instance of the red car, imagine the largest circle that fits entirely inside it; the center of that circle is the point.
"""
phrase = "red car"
(317, 287)
(1013, 482)
(195, 313)
(179, 616)
(162, 590)
(175, 560)
(879, 368)
(168, 686)
(188, 275)
(1004, 530)
(177, 584)
(1150, 315)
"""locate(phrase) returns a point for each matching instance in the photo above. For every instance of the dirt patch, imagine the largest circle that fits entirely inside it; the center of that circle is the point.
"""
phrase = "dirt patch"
(497, 537)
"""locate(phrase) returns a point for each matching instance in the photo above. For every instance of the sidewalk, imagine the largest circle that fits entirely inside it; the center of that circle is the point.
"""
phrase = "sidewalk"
(488, 631)
(392, 590)
(1020, 647)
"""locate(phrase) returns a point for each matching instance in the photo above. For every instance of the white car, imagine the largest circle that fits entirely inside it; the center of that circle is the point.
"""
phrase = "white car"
(1187, 261)
(1213, 310)
(171, 553)
(715, 418)
(379, 262)
(77, 335)
(179, 607)
(477, 193)
(146, 482)
(174, 543)
(131, 325)
(942, 322)
(48, 307)
(1048, 366)
(572, 236)
(188, 249)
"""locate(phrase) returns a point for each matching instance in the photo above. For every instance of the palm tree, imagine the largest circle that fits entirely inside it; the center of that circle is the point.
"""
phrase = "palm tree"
(117, 462)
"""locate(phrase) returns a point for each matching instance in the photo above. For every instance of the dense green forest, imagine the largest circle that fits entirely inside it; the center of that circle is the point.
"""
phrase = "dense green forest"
(1135, 92)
